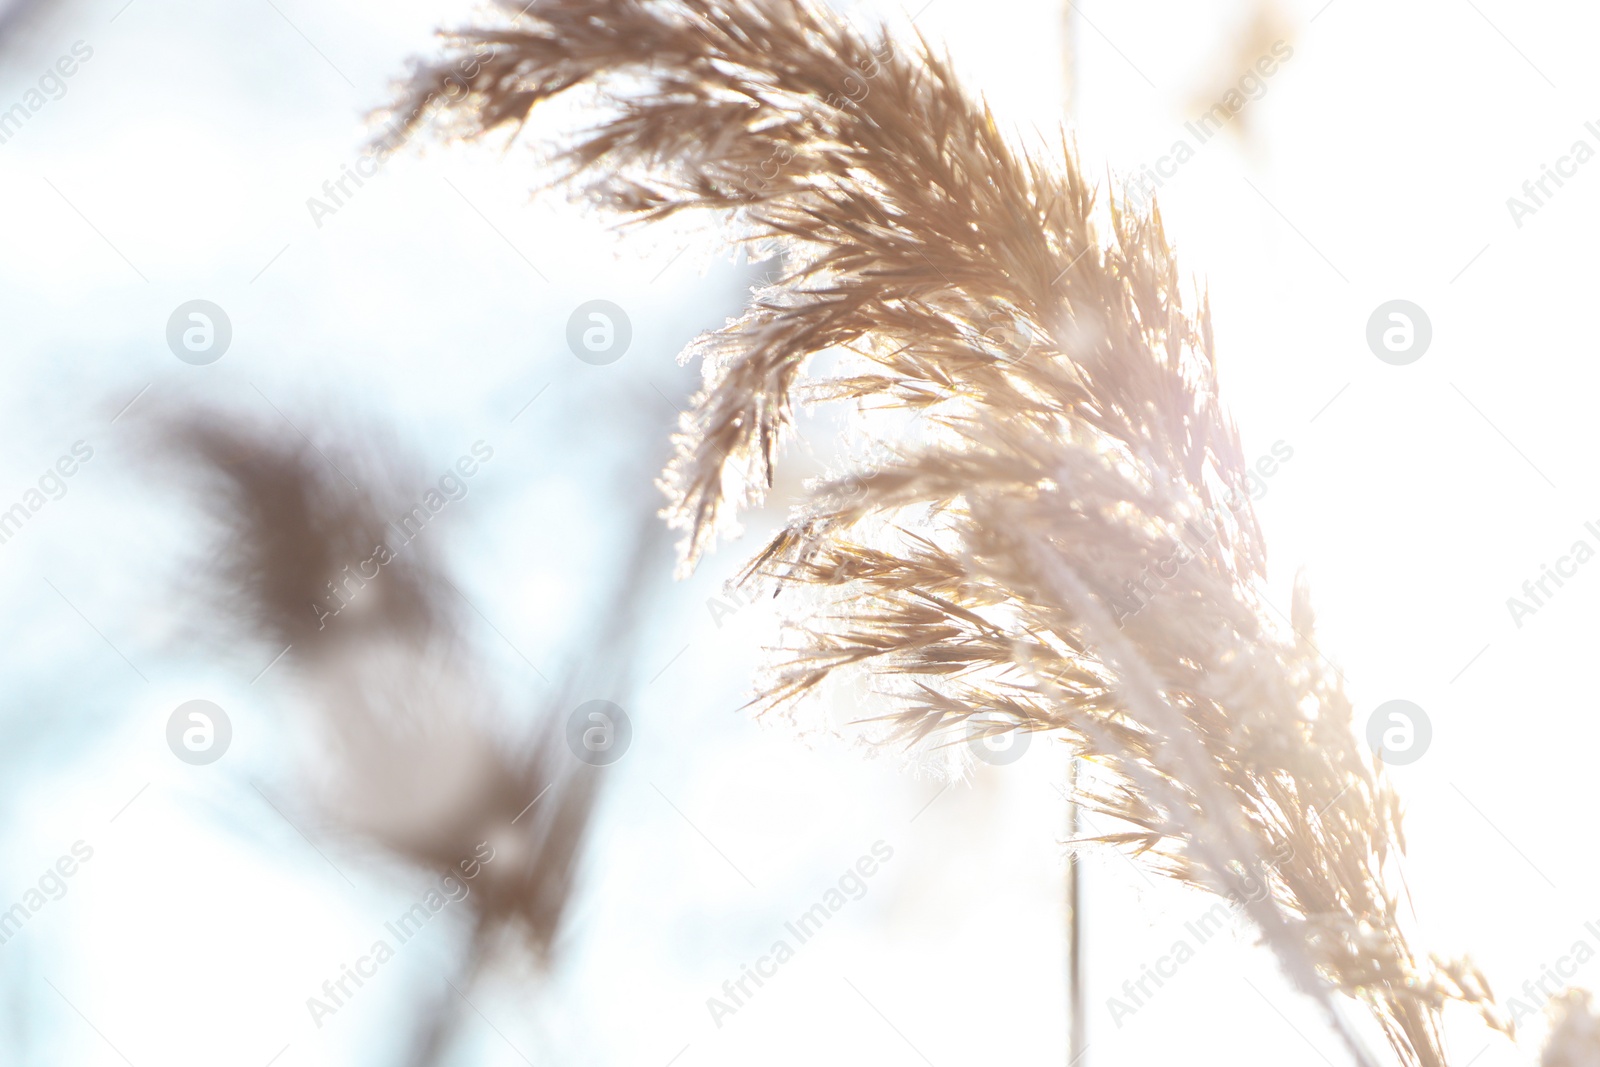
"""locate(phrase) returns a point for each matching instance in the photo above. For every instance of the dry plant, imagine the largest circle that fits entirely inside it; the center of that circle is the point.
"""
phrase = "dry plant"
(1574, 1039)
(1068, 546)
(417, 753)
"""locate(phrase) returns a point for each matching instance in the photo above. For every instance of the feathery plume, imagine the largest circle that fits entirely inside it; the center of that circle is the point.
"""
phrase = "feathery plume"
(1068, 545)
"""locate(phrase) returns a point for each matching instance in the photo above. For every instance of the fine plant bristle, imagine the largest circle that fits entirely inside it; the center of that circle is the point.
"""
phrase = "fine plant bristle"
(1069, 544)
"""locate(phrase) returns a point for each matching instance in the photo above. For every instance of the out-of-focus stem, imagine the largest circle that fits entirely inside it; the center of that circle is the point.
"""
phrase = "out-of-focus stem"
(1077, 1038)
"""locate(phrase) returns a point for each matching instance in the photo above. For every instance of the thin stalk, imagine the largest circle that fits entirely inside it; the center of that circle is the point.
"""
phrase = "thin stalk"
(1077, 1036)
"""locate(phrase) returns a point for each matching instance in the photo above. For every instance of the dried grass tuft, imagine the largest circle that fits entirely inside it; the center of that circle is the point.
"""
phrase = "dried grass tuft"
(1000, 566)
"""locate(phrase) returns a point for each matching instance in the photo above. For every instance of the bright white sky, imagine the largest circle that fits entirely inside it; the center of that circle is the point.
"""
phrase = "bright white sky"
(177, 166)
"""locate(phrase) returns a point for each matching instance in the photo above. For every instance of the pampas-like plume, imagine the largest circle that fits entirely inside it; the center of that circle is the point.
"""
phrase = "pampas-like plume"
(1070, 547)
